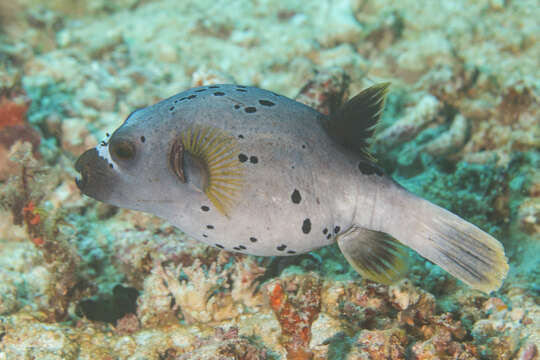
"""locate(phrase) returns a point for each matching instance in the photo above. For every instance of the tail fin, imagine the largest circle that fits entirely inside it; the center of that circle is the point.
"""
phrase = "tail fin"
(457, 246)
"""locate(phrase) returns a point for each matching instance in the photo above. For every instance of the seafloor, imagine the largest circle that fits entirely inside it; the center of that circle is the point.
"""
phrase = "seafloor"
(83, 280)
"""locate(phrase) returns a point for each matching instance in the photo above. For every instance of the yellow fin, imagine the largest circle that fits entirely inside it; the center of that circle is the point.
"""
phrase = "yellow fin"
(375, 255)
(217, 151)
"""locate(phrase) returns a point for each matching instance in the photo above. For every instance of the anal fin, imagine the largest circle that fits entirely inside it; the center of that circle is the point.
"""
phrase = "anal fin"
(375, 255)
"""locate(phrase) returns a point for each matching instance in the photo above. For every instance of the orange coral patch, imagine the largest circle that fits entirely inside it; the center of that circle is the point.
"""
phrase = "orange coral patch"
(12, 113)
(29, 207)
(38, 241)
(35, 219)
(276, 297)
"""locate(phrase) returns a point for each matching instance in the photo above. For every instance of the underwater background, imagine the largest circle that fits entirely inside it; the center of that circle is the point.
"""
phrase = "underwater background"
(83, 280)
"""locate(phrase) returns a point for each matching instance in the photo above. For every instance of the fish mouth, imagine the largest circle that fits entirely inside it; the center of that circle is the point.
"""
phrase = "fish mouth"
(82, 167)
(96, 178)
(80, 181)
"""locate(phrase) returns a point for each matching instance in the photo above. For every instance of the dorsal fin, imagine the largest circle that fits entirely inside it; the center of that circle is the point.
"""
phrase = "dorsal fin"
(354, 122)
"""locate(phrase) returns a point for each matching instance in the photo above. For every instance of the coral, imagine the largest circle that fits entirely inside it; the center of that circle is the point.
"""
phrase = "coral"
(155, 307)
(451, 140)
(379, 345)
(460, 128)
(245, 274)
(22, 196)
(12, 112)
(198, 297)
(416, 119)
(416, 307)
(200, 294)
(148, 242)
(13, 128)
(203, 76)
(441, 346)
(528, 213)
(8, 298)
(225, 345)
(128, 324)
(328, 89)
(360, 306)
(296, 301)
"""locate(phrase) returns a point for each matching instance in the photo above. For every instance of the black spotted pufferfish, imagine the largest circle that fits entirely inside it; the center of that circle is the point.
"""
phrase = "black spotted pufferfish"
(247, 170)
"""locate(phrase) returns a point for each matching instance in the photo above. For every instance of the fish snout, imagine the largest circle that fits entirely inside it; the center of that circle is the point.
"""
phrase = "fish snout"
(96, 178)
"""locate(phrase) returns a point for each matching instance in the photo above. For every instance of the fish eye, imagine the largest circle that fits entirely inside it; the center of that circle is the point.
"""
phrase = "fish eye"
(122, 149)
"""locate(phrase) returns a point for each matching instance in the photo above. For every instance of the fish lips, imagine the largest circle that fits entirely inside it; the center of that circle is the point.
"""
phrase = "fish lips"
(97, 179)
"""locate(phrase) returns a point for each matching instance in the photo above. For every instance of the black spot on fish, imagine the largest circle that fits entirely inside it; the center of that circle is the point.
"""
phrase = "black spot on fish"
(306, 226)
(253, 159)
(242, 158)
(219, 93)
(210, 227)
(107, 134)
(250, 109)
(143, 139)
(367, 168)
(200, 90)
(205, 208)
(219, 246)
(336, 229)
(325, 231)
(241, 136)
(171, 108)
(241, 86)
(204, 235)
(303, 146)
(236, 248)
(242, 247)
(191, 97)
(236, 106)
(281, 247)
(328, 236)
(295, 197)
(266, 103)
(291, 252)
(213, 87)
(111, 166)
(241, 90)
(252, 239)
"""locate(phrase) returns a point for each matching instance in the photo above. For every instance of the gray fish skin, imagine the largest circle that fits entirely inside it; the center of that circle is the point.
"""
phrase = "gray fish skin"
(292, 152)
(300, 188)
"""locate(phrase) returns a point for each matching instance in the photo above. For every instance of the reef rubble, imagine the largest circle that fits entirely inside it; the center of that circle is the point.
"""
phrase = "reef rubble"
(84, 280)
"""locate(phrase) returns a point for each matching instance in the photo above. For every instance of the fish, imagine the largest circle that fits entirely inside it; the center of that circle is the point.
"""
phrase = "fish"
(250, 171)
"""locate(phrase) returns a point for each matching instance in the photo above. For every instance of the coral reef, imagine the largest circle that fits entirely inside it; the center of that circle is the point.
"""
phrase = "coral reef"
(296, 303)
(82, 280)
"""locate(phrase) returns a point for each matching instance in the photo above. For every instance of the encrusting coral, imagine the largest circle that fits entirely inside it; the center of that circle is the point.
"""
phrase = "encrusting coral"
(296, 302)
(80, 280)
(22, 196)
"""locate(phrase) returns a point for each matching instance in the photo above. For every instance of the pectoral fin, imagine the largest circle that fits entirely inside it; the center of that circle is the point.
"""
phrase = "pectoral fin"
(375, 255)
(207, 158)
